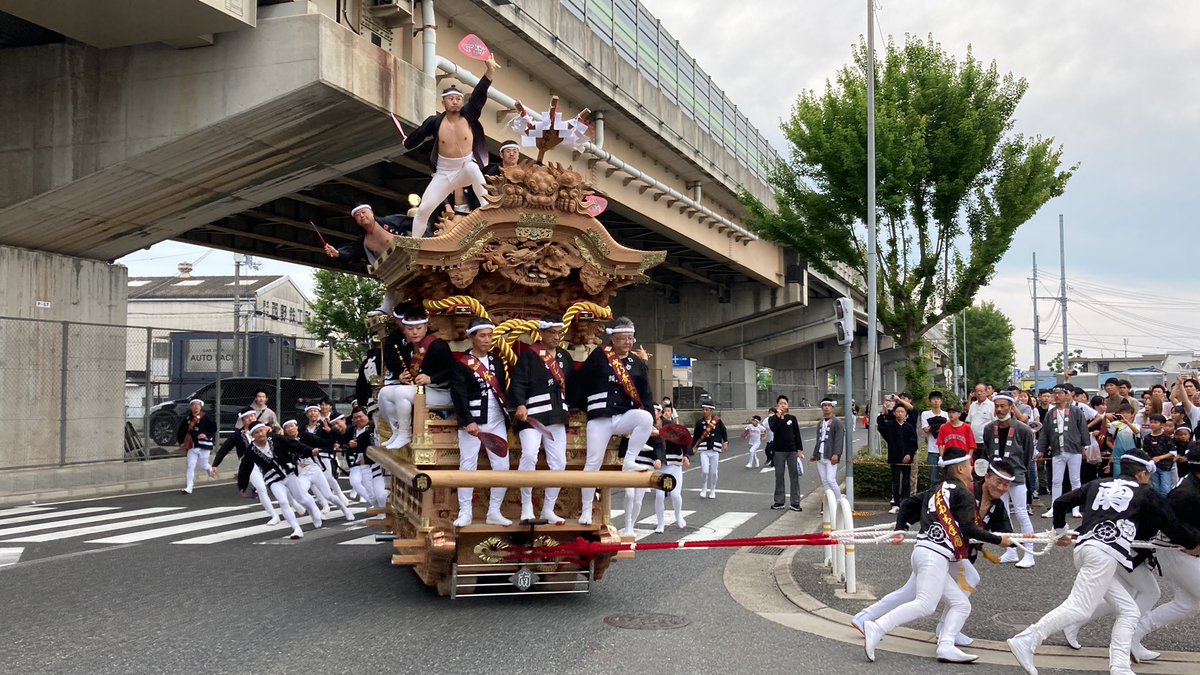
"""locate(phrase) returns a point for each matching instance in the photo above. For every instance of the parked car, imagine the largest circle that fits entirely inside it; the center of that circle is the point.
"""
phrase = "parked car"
(236, 394)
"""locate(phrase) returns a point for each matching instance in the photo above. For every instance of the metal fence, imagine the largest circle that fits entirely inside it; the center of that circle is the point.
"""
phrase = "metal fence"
(729, 395)
(77, 393)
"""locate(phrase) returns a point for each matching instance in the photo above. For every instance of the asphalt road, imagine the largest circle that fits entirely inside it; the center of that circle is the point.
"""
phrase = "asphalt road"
(259, 603)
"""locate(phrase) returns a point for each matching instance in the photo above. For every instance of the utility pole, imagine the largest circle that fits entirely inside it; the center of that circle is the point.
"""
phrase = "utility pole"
(954, 353)
(237, 311)
(872, 394)
(1037, 336)
(965, 382)
(1062, 253)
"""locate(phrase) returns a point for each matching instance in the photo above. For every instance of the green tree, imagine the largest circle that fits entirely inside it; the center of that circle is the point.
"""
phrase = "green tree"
(991, 354)
(342, 302)
(1056, 363)
(949, 168)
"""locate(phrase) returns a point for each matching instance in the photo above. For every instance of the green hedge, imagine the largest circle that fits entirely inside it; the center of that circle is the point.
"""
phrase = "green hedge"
(873, 478)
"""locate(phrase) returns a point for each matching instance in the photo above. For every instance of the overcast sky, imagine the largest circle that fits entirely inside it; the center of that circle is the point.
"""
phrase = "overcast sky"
(1112, 81)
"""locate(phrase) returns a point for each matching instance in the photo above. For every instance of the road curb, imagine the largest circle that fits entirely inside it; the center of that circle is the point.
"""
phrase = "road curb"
(801, 611)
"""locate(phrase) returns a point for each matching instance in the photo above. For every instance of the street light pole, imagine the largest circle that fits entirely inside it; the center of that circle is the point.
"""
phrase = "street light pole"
(872, 394)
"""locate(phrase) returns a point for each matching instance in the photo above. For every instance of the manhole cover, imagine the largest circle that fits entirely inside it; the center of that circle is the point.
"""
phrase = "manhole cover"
(1018, 620)
(767, 550)
(646, 621)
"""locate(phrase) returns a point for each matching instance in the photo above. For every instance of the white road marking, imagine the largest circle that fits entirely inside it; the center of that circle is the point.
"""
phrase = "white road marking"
(15, 510)
(5, 532)
(768, 469)
(55, 514)
(126, 524)
(721, 526)
(10, 556)
(669, 519)
(241, 533)
(161, 532)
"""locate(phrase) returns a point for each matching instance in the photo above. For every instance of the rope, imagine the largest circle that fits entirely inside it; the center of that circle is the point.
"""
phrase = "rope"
(599, 311)
(446, 304)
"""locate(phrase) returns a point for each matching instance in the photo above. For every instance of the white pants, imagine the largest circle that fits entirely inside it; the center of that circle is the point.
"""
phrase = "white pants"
(297, 487)
(1093, 586)
(468, 460)
(326, 464)
(676, 496)
(280, 491)
(827, 471)
(396, 404)
(556, 459)
(1016, 500)
(196, 456)
(1183, 571)
(634, 423)
(931, 583)
(260, 489)
(710, 462)
(1060, 462)
(1142, 587)
(752, 461)
(316, 477)
(380, 489)
(908, 592)
(361, 482)
(452, 173)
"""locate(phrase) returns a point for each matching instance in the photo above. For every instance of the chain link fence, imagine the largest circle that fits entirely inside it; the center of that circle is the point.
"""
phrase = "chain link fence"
(77, 393)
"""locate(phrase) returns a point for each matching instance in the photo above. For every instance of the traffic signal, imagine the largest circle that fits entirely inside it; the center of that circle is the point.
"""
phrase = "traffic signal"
(843, 320)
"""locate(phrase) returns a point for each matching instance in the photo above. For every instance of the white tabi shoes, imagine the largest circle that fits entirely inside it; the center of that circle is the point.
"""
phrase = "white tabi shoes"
(948, 653)
(496, 518)
(1022, 645)
(464, 519)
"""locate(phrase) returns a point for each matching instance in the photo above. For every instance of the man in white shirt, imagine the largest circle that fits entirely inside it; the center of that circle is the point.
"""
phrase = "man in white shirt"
(981, 413)
(931, 422)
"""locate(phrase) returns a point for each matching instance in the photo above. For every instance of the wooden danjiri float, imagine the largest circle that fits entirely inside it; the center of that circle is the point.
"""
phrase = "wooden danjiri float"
(533, 250)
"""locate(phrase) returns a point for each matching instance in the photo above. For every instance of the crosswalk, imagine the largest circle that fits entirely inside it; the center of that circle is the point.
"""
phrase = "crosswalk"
(180, 525)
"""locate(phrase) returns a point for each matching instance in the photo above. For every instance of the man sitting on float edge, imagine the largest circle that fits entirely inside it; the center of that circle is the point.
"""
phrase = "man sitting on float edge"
(478, 385)
(614, 387)
(413, 358)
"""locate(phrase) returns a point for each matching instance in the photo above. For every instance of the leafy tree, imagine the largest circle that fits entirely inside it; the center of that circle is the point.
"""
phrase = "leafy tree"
(1056, 363)
(342, 301)
(990, 350)
(766, 379)
(949, 167)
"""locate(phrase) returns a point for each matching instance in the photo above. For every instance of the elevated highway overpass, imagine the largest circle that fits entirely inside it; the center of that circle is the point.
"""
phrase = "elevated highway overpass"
(233, 124)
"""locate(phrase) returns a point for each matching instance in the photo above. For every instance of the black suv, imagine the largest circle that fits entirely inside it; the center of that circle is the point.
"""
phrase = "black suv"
(236, 394)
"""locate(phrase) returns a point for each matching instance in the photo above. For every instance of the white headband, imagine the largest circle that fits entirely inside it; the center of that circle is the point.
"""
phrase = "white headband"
(1002, 397)
(952, 462)
(291, 422)
(708, 405)
(828, 402)
(543, 325)
(414, 322)
(1148, 464)
(483, 326)
(993, 469)
(360, 207)
(508, 144)
(619, 329)
(258, 426)
(339, 418)
(247, 414)
(195, 401)
(312, 407)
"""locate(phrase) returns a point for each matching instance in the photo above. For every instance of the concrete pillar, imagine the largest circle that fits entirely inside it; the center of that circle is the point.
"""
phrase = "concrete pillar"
(660, 369)
(732, 383)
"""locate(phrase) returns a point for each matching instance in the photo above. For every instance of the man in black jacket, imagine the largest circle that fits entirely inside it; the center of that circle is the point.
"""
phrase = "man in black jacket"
(478, 387)
(375, 240)
(195, 436)
(538, 391)
(1116, 512)
(412, 358)
(786, 452)
(460, 149)
(948, 524)
(901, 439)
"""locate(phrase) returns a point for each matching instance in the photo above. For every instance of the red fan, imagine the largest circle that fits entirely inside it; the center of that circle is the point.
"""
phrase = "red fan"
(541, 428)
(494, 444)
(595, 205)
(676, 434)
(472, 47)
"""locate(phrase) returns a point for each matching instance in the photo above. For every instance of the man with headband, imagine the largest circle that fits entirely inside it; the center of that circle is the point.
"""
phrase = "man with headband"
(1063, 437)
(460, 151)
(195, 437)
(1116, 512)
(375, 240)
(613, 386)
(1007, 438)
(948, 524)
(412, 358)
(992, 514)
(478, 387)
(539, 392)
(831, 440)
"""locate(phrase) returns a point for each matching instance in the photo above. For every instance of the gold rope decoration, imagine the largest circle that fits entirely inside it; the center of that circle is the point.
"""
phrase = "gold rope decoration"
(599, 311)
(444, 304)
